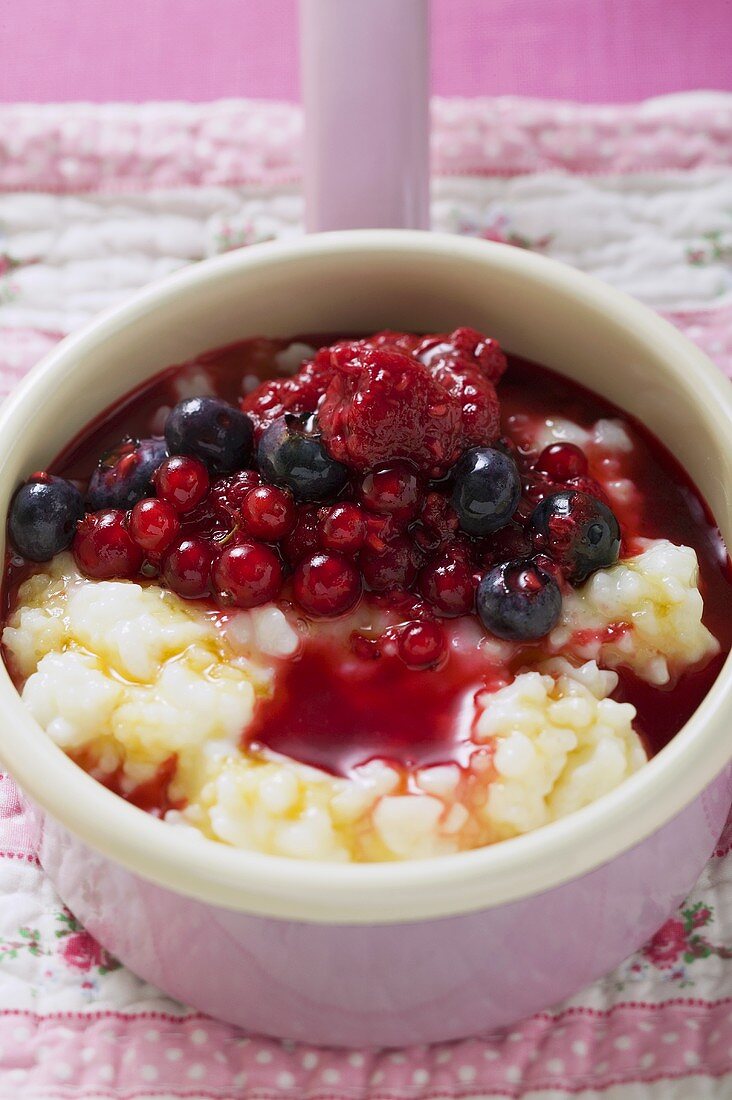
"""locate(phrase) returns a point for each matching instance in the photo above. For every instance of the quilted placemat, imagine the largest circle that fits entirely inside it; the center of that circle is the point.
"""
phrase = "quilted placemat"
(95, 201)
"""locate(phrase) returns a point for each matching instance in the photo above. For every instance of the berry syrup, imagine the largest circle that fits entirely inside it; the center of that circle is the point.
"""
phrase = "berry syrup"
(338, 713)
(334, 707)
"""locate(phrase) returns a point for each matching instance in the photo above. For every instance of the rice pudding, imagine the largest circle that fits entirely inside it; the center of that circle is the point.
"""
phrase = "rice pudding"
(363, 600)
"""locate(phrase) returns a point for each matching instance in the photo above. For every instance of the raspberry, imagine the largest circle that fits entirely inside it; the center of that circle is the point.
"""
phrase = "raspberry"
(298, 394)
(382, 405)
(468, 366)
(478, 402)
(406, 342)
(464, 347)
(228, 493)
(393, 396)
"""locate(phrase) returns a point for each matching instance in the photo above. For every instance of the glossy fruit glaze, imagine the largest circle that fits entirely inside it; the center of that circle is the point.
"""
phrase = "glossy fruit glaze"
(335, 706)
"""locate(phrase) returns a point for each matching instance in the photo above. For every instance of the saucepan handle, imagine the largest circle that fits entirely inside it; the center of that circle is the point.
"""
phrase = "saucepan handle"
(365, 84)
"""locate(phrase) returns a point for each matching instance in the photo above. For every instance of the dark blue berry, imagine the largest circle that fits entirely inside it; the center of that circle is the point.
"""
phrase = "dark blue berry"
(208, 428)
(518, 601)
(124, 474)
(290, 454)
(576, 530)
(43, 516)
(486, 491)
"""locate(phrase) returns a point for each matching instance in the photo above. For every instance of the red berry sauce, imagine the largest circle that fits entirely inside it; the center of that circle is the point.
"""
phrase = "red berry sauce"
(336, 711)
(390, 543)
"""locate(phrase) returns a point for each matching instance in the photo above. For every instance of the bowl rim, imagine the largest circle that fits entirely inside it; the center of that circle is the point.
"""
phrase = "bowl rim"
(372, 893)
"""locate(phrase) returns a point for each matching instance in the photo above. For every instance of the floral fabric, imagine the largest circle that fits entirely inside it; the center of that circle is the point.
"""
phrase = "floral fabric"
(97, 201)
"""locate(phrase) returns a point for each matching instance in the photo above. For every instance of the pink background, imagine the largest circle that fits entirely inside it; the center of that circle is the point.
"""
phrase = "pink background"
(592, 50)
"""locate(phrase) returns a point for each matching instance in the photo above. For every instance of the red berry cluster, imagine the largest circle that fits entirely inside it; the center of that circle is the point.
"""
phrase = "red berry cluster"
(397, 410)
(197, 534)
(394, 396)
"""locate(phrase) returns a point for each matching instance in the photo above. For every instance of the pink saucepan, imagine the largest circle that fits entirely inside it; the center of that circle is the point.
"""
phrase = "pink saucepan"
(382, 953)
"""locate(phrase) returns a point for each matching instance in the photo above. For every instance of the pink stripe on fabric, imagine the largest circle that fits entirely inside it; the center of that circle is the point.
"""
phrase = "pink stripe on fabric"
(558, 1017)
(22, 857)
(87, 147)
(173, 1055)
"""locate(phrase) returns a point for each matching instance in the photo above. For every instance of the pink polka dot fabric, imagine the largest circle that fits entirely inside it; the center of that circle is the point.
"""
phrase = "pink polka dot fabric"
(96, 201)
(111, 1054)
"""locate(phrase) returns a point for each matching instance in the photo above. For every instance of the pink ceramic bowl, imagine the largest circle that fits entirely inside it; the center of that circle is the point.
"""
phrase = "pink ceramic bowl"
(382, 953)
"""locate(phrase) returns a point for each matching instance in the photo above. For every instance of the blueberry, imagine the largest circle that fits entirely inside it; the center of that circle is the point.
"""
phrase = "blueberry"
(292, 455)
(518, 601)
(213, 430)
(43, 516)
(486, 492)
(124, 474)
(578, 531)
